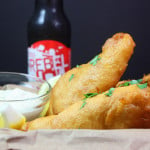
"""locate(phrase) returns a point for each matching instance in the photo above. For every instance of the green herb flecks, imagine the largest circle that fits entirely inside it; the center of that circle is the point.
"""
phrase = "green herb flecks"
(86, 96)
(131, 82)
(137, 82)
(72, 76)
(95, 60)
(140, 80)
(110, 92)
(142, 86)
(84, 103)
(78, 66)
(124, 84)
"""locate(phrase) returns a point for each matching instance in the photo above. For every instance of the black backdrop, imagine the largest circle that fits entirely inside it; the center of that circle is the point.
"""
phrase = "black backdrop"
(93, 21)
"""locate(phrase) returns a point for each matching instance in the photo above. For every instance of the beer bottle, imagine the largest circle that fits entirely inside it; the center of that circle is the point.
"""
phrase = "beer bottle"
(49, 34)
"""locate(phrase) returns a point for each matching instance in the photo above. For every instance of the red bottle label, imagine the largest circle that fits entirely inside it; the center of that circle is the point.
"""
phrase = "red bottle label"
(48, 58)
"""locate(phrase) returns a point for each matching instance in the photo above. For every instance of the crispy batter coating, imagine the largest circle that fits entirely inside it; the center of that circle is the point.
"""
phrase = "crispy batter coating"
(96, 76)
(127, 107)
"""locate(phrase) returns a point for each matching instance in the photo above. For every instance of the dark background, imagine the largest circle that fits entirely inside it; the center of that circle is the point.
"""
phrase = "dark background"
(93, 21)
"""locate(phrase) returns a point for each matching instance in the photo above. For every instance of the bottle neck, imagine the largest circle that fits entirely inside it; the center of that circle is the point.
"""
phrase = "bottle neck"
(58, 4)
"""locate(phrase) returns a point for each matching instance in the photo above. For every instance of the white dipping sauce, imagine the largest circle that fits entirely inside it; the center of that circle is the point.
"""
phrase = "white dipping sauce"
(16, 94)
(27, 106)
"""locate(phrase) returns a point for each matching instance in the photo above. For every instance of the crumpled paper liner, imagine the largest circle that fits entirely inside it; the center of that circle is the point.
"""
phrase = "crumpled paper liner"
(75, 139)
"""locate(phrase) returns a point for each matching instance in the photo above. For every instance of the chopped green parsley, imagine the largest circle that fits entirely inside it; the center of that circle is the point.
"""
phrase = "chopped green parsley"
(72, 76)
(86, 96)
(131, 82)
(95, 60)
(78, 66)
(142, 86)
(137, 82)
(140, 80)
(84, 103)
(110, 92)
(124, 84)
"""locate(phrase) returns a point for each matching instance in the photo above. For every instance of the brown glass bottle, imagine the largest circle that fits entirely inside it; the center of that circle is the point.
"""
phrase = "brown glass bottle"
(49, 32)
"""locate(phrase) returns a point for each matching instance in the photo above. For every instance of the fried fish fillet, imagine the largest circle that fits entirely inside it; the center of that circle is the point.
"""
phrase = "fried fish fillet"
(103, 72)
(125, 107)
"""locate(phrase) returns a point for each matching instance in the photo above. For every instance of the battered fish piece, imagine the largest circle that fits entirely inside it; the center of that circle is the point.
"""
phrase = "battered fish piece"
(119, 108)
(103, 72)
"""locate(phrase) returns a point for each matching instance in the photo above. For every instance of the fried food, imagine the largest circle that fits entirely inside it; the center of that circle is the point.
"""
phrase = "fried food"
(126, 106)
(101, 73)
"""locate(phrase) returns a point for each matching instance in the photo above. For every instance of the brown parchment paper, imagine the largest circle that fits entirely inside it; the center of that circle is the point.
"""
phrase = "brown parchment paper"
(75, 140)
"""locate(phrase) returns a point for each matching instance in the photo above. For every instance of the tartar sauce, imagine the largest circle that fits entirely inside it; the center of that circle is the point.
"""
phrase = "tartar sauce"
(16, 94)
(26, 105)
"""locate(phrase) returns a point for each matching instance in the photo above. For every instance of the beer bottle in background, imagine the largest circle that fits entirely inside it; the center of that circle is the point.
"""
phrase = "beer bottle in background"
(49, 34)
